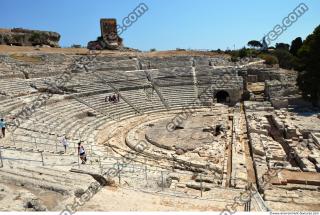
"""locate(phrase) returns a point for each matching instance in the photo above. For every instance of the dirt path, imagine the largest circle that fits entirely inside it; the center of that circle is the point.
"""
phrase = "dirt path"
(116, 199)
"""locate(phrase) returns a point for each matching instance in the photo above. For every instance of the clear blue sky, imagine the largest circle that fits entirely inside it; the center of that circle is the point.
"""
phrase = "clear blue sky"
(168, 24)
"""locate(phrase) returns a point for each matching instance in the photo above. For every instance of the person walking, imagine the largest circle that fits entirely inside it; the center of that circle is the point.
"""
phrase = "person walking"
(82, 153)
(65, 143)
(3, 127)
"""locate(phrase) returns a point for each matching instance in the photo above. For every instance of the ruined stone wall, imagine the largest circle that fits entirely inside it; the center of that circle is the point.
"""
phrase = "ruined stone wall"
(283, 85)
(109, 38)
(283, 90)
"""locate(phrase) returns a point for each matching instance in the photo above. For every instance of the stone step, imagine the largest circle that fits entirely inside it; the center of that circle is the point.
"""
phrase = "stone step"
(21, 179)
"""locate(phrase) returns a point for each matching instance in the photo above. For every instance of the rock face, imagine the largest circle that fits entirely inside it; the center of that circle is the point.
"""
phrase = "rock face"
(25, 37)
(109, 38)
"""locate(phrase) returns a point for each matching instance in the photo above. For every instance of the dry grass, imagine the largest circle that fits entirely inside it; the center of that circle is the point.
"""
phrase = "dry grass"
(26, 58)
(182, 53)
(4, 30)
(83, 51)
(30, 49)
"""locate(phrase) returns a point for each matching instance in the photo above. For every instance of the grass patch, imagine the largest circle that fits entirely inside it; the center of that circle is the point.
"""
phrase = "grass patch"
(26, 58)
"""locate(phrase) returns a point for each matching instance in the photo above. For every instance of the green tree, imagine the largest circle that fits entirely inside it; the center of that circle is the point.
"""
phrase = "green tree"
(237, 54)
(284, 46)
(309, 76)
(285, 58)
(295, 46)
(254, 44)
(269, 59)
(243, 52)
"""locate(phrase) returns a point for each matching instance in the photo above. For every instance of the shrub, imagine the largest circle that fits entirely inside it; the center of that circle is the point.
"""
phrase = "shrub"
(243, 53)
(283, 46)
(285, 58)
(269, 59)
(76, 46)
(234, 59)
(253, 52)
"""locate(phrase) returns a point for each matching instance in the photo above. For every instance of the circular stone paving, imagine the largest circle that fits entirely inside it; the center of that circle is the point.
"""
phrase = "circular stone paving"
(190, 134)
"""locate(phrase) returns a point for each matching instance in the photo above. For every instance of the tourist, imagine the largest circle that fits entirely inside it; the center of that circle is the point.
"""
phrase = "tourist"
(65, 143)
(82, 153)
(118, 97)
(3, 127)
(114, 98)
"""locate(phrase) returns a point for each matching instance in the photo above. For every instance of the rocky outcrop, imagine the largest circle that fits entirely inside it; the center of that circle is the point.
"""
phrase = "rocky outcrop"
(25, 37)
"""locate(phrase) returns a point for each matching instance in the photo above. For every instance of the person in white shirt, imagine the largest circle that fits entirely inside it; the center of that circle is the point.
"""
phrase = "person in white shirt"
(65, 143)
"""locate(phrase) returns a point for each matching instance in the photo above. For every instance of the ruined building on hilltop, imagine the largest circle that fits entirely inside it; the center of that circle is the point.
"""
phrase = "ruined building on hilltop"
(109, 38)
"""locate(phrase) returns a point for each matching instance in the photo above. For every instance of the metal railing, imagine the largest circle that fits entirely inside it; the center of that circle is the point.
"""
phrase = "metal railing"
(138, 176)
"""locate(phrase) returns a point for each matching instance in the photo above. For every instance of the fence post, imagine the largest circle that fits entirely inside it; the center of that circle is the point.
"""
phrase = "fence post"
(162, 181)
(78, 161)
(201, 184)
(119, 176)
(1, 159)
(146, 174)
(35, 141)
(172, 164)
(74, 146)
(100, 165)
(42, 159)
(14, 141)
